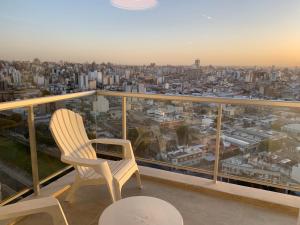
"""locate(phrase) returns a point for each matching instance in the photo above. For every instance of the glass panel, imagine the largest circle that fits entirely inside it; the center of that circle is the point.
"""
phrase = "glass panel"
(15, 162)
(261, 143)
(48, 153)
(173, 132)
(108, 111)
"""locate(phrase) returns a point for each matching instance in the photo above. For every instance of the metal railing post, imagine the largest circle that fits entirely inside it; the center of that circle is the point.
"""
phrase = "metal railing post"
(33, 151)
(124, 125)
(218, 139)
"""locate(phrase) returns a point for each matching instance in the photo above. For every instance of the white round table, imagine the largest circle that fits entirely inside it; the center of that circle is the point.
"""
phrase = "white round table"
(141, 210)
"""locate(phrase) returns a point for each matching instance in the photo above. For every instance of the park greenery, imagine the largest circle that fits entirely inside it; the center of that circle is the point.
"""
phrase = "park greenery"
(17, 155)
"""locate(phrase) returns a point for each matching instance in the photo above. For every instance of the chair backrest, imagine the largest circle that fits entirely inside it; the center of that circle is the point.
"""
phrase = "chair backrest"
(69, 134)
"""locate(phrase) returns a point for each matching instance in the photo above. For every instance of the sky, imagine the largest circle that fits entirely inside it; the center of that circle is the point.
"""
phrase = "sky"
(218, 32)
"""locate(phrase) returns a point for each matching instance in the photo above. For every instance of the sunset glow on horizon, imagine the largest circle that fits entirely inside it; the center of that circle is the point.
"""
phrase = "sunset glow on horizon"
(252, 32)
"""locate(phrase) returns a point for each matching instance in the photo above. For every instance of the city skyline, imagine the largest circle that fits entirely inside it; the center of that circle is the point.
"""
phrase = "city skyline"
(188, 65)
(247, 33)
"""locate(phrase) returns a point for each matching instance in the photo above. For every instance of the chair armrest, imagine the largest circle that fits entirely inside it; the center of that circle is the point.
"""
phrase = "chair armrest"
(48, 205)
(100, 167)
(81, 161)
(27, 207)
(126, 144)
(110, 141)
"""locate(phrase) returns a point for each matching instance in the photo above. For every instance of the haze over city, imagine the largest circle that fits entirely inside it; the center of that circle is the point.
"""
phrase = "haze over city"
(264, 32)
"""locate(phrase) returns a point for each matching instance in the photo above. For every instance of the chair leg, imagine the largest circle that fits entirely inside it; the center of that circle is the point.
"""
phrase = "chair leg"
(72, 191)
(112, 193)
(118, 190)
(58, 215)
(138, 179)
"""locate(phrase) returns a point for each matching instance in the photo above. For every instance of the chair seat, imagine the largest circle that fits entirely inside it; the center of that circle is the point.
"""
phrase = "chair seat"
(118, 169)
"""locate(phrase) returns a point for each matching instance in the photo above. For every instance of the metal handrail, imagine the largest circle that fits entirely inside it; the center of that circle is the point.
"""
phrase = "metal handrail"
(216, 100)
(43, 100)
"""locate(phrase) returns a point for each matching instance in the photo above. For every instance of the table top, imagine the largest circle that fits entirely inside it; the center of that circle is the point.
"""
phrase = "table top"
(141, 210)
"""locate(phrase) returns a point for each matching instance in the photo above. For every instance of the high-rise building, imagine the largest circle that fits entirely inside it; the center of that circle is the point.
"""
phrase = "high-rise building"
(105, 80)
(101, 105)
(3, 85)
(40, 81)
(86, 82)
(16, 77)
(197, 63)
(83, 81)
(92, 84)
(141, 88)
(111, 80)
(249, 77)
(99, 77)
(117, 79)
(127, 74)
(160, 80)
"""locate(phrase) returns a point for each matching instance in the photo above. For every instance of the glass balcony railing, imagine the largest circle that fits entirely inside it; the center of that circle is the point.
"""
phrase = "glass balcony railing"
(181, 134)
(241, 140)
(253, 141)
(15, 172)
(262, 144)
(29, 157)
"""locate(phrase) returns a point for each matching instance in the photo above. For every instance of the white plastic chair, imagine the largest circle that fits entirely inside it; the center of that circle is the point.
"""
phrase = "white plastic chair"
(48, 205)
(76, 149)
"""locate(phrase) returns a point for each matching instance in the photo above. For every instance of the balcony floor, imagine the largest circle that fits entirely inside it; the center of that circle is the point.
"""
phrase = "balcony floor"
(197, 207)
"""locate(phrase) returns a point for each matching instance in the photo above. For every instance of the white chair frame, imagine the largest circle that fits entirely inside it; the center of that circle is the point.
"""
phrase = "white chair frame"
(48, 205)
(76, 149)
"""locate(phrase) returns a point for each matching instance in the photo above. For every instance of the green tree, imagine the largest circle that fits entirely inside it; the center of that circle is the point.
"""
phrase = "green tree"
(45, 93)
(6, 123)
(183, 135)
(132, 134)
(16, 117)
(43, 135)
(270, 145)
(277, 125)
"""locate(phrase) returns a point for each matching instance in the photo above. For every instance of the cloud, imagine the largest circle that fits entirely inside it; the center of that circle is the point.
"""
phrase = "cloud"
(207, 17)
(134, 4)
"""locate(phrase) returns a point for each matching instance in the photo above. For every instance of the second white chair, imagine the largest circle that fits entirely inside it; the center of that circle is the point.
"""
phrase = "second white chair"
(76, 149)
(48, 205)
